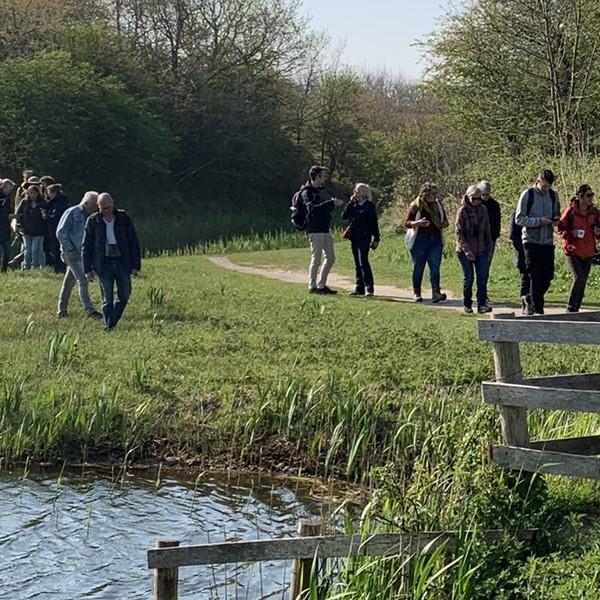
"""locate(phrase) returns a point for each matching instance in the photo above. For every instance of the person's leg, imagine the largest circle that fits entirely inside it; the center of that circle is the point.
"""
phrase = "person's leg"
(467, 269)
(65, 292)
(5, 245)
(434, 261)
(316, 253)
(359, 282)
(106, 281)
(580, 269)
(27, 249)
(75, 265)
(418, 254)
(366, 267)
(482, 264)
(546, 270)
(123, 281)
(329, 260)
(37, 251)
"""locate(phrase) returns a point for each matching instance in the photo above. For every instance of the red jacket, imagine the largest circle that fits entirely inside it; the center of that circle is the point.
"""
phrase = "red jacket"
(574, 220)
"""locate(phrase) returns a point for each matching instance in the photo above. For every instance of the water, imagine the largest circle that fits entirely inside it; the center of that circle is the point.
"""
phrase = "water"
(85, 535)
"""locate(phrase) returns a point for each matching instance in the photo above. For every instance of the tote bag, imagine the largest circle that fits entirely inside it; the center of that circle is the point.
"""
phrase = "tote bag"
(411, 234)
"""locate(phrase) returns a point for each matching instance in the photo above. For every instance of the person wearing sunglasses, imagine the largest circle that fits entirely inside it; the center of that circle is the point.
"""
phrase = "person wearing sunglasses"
(578, 228)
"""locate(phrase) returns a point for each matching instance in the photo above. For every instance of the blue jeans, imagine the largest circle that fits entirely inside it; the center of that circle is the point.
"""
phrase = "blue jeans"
(34, 252)
(364, 273)
(113, 272)
(426, 250)
(478, 268)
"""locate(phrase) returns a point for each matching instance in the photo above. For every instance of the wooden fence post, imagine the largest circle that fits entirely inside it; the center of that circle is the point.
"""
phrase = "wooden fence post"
(166, 580)
(301, 568)
(507, 363)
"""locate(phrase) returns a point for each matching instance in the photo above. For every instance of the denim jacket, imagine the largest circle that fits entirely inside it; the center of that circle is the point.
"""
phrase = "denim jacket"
(71, 228)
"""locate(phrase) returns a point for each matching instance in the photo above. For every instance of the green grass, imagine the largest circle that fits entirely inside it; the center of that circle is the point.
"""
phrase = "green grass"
(213, 367)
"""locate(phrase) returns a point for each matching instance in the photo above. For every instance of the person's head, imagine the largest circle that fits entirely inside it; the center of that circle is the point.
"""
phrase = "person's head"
(317, 175)
(33, 192)
(584, 196)
(27, 173)
(362, 192)
(473, 195)
(106, 205)
(53, 189)
(485, 187)
(544, 180)
(7, 186)
(89, 202)
(46, 181)
(428, 191)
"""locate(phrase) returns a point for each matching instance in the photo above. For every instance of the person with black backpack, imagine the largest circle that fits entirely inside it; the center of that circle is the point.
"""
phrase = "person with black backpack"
(538, 212)
(311, 212)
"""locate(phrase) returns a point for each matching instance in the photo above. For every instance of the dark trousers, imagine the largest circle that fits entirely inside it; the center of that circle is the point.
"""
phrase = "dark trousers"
(426, 251)
(539, 262)
(580, 269)
(364, 273)
(479, 268)
(5, 247)
(114, 272)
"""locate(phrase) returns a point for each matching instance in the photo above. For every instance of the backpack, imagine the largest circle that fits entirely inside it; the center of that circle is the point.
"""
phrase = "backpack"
(298, 209)
(514, 230)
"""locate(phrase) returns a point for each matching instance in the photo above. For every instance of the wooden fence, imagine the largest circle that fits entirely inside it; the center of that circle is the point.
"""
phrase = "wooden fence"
(514, 395)
(168, 556)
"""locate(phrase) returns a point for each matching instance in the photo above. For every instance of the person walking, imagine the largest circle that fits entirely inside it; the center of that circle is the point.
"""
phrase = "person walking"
(6, 214)
(473, 244)
(111, 250)
(363, 233)
(577, 228)
(56, 205)
(31, 225)
(69, 234)
(537, 213)
(318, 223)
(427, 217)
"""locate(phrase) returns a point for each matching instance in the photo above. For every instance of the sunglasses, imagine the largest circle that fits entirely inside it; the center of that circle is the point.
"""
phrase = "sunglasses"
(589, 195)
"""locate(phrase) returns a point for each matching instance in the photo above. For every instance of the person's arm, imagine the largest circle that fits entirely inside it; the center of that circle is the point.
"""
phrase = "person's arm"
(488, 239)
(563, 224)
(63, 232)
(134, 247)
(521, 216)
(556, 207)
(463, 245)
(411, 221)
(375, 223)
(348, 212)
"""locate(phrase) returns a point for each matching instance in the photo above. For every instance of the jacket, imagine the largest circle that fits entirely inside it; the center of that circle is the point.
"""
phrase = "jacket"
(473, 234)
(71, 228)
(318, 211)
(55, 209)
(5, 210)
(94, 243)
(493, 209)
(573, 221)
(544, 205)
(30, 219)
(362, 220)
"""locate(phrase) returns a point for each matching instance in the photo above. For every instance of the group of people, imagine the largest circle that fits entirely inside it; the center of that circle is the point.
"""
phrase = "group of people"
(477, 229)
(90, 239)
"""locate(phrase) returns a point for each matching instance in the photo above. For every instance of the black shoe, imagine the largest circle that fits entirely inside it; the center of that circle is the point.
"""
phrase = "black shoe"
(468, 310)
(526, 306)
(326, 290)
(62, 314)
(484, 309)
(314, 291)
(357, 293)
(95, 315)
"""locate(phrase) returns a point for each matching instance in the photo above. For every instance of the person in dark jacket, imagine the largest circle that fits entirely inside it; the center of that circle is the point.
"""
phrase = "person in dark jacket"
(473, 243)
(31, 225)
(6, 214)
(55, 207)
(363, 233)
(318, 221)
(111, 250)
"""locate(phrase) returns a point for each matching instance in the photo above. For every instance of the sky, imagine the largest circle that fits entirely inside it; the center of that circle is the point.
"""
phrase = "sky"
(378, 34)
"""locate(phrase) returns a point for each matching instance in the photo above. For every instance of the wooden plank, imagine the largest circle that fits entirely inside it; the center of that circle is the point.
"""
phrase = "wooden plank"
(554, 463)
(591, 315)
(507, 364)
(166, 581)
(580, 381)
(344, 546)
(548, 398)
(541, 331)
(588, 445)
(302, 567)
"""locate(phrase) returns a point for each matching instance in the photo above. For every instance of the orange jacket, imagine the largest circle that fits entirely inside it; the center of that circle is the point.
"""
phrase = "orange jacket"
(574, 220)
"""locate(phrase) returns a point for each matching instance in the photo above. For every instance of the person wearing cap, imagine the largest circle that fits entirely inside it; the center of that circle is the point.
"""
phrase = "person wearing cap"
(31, 225)
(111, 250)
(6, 188)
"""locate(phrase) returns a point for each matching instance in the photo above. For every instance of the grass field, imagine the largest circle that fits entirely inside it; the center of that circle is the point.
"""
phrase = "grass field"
(213, 367)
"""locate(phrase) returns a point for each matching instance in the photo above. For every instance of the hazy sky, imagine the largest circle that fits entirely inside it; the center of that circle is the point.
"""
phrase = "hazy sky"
(378, 33)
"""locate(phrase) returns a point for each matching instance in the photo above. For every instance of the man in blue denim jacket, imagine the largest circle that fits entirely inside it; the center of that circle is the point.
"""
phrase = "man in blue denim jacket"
(69, 233)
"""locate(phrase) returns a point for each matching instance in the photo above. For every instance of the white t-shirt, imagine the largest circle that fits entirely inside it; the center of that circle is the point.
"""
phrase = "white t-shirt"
(110, 231)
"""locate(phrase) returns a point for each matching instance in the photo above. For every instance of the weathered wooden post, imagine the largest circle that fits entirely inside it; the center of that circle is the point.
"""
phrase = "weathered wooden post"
(166, 580)
(301, 567)
(507, 363)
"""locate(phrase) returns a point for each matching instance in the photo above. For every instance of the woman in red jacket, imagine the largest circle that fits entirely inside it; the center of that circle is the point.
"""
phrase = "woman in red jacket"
(577, 228)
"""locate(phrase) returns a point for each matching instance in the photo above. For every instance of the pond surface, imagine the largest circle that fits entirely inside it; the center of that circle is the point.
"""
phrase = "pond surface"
(86, 534)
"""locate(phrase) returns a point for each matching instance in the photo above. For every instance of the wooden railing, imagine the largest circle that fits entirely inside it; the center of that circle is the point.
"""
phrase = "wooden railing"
(514, 395)
(168, 556)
